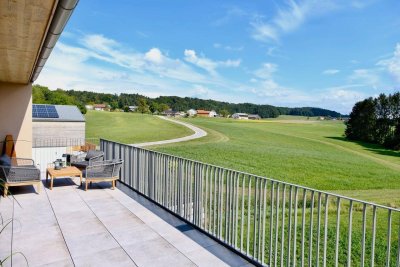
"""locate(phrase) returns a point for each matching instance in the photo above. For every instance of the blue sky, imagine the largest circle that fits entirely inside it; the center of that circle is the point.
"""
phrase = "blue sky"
(321, 53)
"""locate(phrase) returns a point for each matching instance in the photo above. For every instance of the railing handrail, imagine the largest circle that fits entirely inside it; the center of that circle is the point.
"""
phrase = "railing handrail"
(262, 177)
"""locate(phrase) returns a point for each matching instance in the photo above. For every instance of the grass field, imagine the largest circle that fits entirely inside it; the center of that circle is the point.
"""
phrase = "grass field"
(131, 127)
(290, 148)
(303, 151)
(306, 152)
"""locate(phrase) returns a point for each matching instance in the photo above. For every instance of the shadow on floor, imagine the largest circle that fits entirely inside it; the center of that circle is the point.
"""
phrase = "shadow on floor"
(377, 149)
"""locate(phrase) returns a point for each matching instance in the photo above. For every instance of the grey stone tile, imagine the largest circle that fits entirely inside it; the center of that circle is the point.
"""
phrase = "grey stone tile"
(41, 252)
(60, 263)
(157, 252)
(182, 242)
(84, 226)
(205, 258)
(136, 234)
(200, 238)
(224, 254)
(111, 257)
(88, 244)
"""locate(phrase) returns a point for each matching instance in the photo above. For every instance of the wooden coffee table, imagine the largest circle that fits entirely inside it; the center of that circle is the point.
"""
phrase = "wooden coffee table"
(63, 172)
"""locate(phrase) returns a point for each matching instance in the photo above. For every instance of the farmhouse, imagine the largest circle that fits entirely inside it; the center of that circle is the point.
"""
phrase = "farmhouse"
(240, 116)
(171, 113)
(57, 122)
(206, 113)
(133, 108)
(89, 107)
(99, 107)
(254, 117)
(191, 112)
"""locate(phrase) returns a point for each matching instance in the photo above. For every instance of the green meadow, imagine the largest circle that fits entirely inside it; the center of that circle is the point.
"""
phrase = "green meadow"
(304, 151)
(295, 149)
(131, 128)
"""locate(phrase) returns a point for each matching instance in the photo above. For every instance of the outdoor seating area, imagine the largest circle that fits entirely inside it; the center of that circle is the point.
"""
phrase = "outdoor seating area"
(68, 226)
(89, 166)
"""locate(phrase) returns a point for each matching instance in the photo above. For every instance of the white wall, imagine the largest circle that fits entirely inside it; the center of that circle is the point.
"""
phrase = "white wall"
(43, 156)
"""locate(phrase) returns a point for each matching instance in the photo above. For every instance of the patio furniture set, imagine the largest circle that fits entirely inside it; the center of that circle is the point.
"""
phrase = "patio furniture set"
(89, 166)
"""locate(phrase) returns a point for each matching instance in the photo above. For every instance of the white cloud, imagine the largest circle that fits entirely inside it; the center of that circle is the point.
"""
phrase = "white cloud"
(368, 77)
(228, 47)
(208, 64)
(231, 13)
(330, 71)
(392, 64)
(288, 18)
(266, 70)
(101, 64)
(154, 55)
(264, 32)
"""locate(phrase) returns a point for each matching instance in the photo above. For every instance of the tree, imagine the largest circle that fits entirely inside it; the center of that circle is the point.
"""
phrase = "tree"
(142, 106)
(163, 107)
(154, 107)
(224, 113)
(362, 120)
(376, 120)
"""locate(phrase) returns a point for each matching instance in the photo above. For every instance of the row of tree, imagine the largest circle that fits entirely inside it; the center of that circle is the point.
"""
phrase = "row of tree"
(376, 120)
(42, 94)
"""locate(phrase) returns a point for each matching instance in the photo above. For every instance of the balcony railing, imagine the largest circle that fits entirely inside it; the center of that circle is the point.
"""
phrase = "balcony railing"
(271, 222)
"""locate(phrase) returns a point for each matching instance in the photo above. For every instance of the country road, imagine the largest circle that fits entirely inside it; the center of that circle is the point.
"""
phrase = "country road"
(198, 133)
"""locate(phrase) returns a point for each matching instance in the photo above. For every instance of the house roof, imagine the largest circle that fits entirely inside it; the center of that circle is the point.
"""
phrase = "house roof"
(67, 113)
(99, 105)
(170, 111)
(241, 114)
(201, 111)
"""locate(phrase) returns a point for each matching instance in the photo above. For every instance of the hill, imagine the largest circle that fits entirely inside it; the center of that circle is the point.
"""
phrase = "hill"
(42, 95)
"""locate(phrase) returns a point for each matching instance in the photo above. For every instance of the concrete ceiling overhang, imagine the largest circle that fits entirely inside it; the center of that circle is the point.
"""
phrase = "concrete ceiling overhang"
(29, 30)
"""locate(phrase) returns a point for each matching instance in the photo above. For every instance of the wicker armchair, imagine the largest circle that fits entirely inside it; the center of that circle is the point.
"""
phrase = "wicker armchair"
(84, 160)
(18, 172)
(107, 170)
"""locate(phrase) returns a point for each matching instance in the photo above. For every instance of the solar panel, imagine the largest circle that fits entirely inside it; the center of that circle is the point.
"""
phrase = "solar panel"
(44, 111)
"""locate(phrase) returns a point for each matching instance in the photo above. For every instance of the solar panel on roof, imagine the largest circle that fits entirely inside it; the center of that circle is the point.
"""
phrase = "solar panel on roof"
(44, 111)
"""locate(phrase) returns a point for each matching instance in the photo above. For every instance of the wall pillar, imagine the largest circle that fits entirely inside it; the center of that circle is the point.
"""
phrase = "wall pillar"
(16, 117)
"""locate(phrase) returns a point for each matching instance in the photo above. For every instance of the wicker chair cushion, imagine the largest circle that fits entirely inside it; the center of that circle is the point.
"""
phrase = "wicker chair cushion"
(5, 160)
(80, 164)
(93, 153)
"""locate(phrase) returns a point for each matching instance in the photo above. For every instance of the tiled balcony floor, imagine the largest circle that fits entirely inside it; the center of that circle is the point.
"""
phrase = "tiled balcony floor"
(67, 226)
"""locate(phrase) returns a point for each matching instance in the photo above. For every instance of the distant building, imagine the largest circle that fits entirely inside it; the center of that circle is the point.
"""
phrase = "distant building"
(99, 107)
(240, 116)
(212, 113)
(254, 117)
(89, 107)
(206, 113)
(191, 112)
(202, 113)
(57, 122)
(171, 113)
(133, 108)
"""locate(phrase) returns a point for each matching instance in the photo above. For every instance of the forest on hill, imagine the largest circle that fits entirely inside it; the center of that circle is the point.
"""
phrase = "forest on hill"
(43, 95)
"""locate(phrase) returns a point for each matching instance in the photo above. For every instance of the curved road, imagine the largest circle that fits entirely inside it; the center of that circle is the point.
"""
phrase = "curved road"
(198, 133)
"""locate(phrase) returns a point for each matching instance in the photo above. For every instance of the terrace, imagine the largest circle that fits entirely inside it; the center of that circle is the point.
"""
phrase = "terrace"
(67, 226)
(167, 210)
